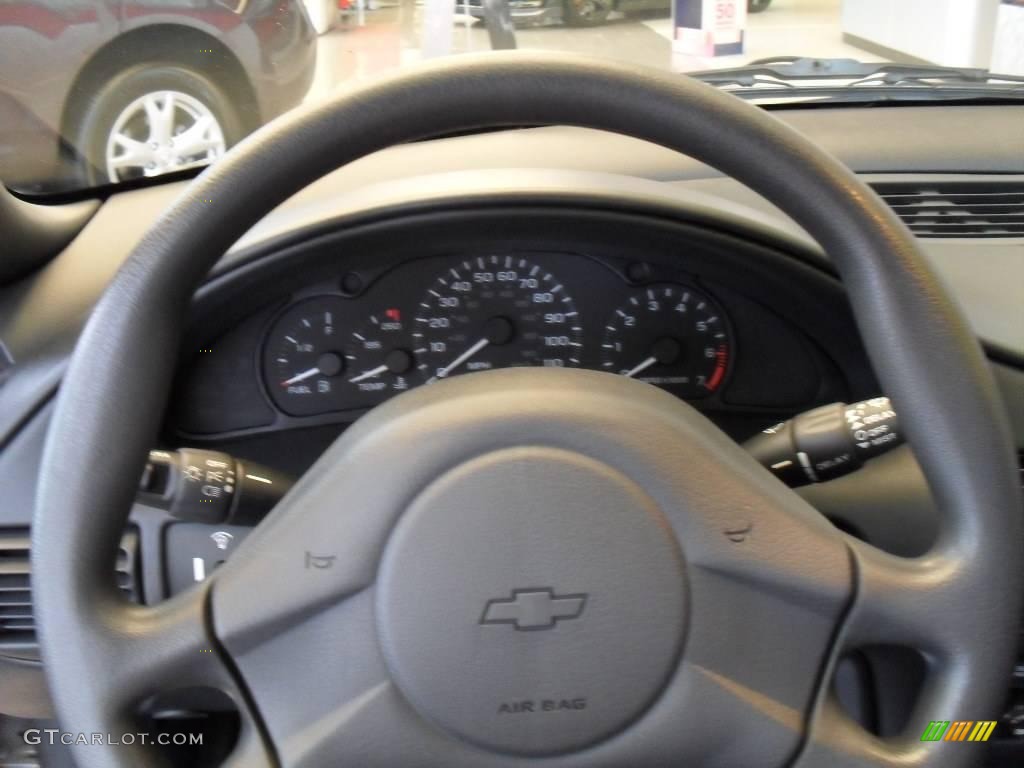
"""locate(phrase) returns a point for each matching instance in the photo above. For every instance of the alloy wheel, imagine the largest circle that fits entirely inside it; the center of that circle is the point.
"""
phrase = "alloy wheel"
(160, 132)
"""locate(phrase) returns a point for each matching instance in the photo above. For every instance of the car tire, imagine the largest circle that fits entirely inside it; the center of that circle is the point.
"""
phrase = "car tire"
(121, 108)
(585, 13)
(756, 6)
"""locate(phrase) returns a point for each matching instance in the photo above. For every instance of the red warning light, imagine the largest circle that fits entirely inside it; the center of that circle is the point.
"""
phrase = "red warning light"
(395, 315)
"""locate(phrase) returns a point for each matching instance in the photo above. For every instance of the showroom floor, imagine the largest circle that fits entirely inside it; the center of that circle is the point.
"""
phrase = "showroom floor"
(392, 35)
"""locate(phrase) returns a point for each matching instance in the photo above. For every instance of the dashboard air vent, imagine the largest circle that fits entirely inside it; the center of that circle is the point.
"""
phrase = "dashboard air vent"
(17, 629)
(17, 626)
(957, 208)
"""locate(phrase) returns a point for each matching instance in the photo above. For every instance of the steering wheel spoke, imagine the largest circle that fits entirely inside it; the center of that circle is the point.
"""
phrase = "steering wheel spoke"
(839, 742)
(169, 647)
(161, 646)
(905, 601)
(136, 653)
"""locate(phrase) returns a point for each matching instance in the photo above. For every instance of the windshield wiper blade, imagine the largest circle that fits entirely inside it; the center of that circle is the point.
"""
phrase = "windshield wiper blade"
(798, 72)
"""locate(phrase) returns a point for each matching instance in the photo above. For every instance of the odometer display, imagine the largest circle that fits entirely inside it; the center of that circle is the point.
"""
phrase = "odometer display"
(495, 312)
(669, 335)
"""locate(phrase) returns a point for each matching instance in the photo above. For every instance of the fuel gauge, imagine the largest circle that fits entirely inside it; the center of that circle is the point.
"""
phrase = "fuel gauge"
(304, 362)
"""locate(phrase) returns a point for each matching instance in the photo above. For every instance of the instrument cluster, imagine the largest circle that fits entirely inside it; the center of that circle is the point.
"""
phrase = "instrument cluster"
(353, 343)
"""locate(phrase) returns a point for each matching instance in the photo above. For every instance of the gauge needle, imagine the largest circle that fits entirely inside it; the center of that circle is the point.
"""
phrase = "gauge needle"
(442, 372)
(641, 368)
(300, 377)
(369, 374)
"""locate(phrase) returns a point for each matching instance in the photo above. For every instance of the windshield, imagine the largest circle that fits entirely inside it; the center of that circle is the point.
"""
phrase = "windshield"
(101, 92)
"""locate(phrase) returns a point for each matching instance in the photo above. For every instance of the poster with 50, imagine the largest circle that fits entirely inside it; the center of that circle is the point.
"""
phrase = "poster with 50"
(708, 28)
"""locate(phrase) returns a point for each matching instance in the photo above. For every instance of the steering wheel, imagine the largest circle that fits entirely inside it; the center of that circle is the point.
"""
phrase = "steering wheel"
(534, 565)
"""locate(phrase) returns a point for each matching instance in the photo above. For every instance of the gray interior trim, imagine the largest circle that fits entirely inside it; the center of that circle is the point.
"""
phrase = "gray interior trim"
(544, 186)
(34, 233)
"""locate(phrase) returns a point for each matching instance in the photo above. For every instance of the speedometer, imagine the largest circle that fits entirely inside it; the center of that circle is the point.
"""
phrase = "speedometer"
(495, 312)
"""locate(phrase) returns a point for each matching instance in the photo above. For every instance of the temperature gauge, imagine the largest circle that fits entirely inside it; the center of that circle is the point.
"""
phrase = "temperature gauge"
(379, 356)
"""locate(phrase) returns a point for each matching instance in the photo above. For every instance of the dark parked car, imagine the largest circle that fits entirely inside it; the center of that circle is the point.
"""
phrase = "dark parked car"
(112, 90)
(579, 13)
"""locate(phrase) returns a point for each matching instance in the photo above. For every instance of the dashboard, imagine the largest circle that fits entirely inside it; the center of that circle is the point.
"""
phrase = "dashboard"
(318, 332)
(774, 337)
(440, 317)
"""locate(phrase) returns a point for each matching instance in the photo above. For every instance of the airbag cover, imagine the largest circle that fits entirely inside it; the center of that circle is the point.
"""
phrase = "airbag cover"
(532, 601)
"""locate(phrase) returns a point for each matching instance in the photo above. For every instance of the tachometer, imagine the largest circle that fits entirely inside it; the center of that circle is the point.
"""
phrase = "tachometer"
(670, 335)
(495, 312)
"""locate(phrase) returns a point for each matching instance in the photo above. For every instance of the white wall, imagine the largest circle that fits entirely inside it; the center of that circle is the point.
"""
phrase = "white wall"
(1008, 49)
(956, 33)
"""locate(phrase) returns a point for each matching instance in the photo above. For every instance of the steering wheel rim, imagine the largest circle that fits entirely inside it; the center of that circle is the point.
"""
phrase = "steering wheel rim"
(914, 334)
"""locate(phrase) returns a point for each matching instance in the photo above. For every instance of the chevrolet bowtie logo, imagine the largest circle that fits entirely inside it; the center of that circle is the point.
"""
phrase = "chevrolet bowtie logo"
(530, 609)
